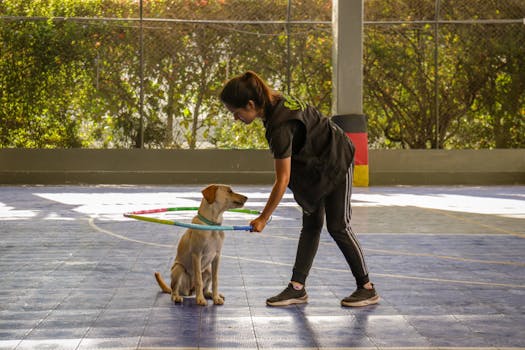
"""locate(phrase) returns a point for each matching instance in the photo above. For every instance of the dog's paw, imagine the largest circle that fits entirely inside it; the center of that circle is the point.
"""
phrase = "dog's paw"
(177, 299)
(209, 295)
(201, 301)
(219, 300)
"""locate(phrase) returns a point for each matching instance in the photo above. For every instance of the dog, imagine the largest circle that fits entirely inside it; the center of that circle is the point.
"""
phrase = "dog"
(196, 266)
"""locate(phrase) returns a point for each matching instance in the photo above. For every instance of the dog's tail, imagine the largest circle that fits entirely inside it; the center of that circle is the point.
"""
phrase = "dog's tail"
(165, 288)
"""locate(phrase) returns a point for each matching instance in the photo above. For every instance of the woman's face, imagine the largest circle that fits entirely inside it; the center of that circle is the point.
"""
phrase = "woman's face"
(245, 114)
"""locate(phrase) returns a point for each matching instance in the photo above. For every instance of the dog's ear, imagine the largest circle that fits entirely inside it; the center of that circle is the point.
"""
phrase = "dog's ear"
(209, 193)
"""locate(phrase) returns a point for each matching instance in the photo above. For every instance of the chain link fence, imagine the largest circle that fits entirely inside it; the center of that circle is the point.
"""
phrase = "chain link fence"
(445, 74)
(122, 74)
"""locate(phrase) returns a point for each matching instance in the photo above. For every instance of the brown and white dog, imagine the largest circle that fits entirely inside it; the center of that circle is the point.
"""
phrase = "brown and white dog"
(196, 266)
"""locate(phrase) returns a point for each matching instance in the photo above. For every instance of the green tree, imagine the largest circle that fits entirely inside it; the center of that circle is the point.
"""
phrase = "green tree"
(497, 116)
(479, 78)
(45, 74)
(69, 81)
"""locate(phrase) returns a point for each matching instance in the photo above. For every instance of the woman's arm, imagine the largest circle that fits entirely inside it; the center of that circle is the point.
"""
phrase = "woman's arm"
(282, 178)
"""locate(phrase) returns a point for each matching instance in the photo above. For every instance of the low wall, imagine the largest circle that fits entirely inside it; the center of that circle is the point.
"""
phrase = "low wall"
(442, 167)
(140, 166)
(134, 166)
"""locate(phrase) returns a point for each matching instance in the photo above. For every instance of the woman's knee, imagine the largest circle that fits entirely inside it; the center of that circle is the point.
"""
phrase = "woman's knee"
(339, 234)
(313, 223)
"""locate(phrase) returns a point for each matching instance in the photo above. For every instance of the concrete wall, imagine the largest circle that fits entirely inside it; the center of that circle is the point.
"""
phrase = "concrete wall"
(139, 166)
(441, 167)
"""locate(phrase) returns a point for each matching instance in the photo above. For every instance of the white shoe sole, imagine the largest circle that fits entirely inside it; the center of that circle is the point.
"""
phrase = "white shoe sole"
(371, 301)
(287, 302)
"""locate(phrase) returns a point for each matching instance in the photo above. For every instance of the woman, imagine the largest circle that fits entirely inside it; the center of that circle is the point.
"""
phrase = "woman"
(314, 158)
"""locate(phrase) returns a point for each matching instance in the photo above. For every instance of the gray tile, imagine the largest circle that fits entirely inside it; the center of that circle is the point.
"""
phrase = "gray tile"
(109, 343)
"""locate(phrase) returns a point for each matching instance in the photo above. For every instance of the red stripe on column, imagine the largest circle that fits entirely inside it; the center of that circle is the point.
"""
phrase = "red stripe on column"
(360, 141)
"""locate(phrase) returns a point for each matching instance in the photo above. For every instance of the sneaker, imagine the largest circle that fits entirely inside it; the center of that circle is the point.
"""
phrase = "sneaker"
(288, 296)
(361, 297)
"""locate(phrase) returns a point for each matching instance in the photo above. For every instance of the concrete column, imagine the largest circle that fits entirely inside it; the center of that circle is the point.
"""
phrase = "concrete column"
(347, 23)
(347, 107)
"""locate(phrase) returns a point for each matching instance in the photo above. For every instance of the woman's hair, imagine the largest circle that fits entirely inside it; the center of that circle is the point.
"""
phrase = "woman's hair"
(239, 90)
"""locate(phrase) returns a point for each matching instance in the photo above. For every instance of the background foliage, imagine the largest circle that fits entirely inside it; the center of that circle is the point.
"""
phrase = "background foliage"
(71, 73)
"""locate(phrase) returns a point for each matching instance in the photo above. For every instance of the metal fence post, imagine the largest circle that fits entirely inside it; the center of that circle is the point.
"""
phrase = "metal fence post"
(436, 69)
(141, 76)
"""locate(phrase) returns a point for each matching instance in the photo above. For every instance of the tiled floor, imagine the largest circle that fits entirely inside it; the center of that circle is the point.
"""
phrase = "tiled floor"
(448, 262)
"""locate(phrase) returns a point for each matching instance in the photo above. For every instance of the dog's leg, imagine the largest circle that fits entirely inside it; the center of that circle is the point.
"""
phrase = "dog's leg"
(197, 270)
(176, 274)
(217, 298)
(206, 282)
(206, 278)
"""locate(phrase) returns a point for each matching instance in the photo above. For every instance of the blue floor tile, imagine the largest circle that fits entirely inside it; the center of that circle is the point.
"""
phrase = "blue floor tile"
(450, 274)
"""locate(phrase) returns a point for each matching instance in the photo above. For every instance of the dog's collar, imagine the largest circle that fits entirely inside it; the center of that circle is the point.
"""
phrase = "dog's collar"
(206, 221)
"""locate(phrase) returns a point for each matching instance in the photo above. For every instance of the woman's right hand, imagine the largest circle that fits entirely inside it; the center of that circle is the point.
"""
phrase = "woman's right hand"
(258, 224)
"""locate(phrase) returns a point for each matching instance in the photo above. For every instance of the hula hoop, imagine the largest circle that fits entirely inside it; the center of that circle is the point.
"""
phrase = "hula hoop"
(137, 215)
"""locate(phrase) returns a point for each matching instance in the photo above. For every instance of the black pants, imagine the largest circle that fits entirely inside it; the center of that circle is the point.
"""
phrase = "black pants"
(338, 210)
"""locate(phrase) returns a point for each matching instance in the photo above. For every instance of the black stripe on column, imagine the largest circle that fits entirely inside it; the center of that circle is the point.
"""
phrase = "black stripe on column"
(352, 123)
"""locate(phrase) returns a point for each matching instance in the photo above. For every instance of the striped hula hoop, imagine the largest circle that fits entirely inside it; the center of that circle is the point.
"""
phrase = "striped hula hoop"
(138, 215)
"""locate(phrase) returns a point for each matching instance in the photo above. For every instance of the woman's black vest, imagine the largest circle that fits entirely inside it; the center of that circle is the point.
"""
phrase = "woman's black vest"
(325, 157)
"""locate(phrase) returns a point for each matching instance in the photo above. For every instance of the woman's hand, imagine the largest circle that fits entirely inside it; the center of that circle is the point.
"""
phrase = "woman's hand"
(258, 224)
